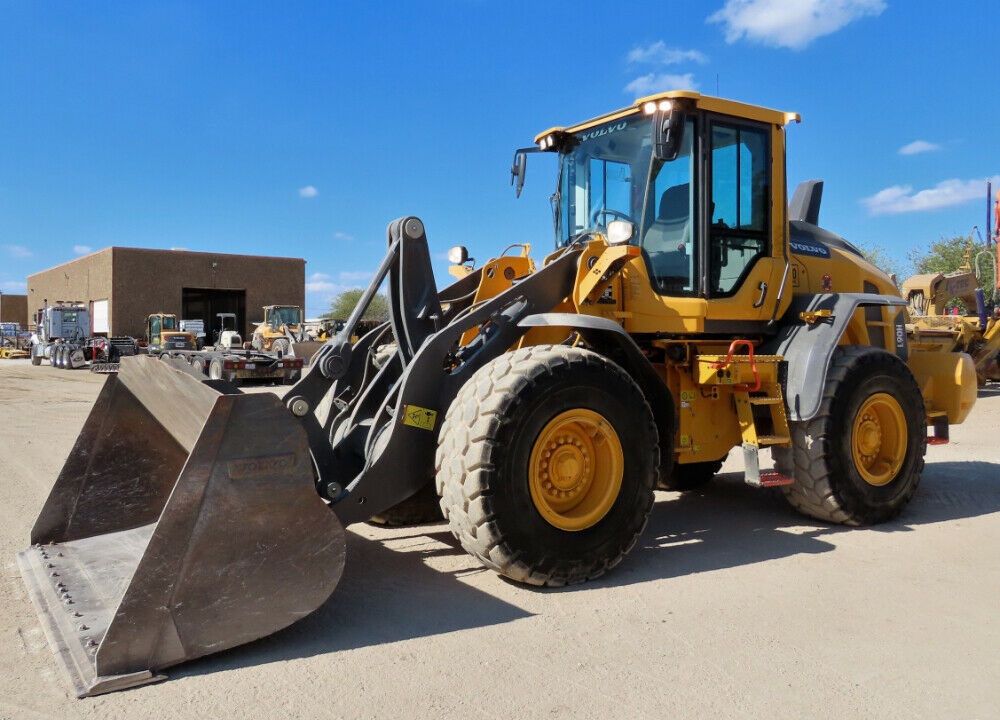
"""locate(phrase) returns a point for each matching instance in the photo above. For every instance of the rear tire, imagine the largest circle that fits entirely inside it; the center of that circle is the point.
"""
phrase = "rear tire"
(198, 365)
(546, 465)
(859, 460)
(215, 369)
(691, 476)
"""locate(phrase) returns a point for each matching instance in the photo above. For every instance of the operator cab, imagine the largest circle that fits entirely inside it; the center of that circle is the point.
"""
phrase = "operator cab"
(700, 183)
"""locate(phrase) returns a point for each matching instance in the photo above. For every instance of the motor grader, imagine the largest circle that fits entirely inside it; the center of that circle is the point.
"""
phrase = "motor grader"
(686, 310)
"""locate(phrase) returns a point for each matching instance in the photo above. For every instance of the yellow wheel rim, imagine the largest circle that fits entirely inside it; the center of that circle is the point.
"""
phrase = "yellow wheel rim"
(878, 439)
(575, 470)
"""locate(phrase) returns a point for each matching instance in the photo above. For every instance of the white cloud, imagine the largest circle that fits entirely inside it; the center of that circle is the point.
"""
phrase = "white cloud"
(329, 285)
(320, 283)
(308, 192)
(343, 236)
(18, 251)
(918, 146)
(900, 199)
(13, 287)
(790, 23)
(659, 54)
(654, 83)
(83, 249)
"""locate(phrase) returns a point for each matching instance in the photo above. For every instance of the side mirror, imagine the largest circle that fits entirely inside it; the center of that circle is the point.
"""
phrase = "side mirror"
(517, 172)
(669, 131)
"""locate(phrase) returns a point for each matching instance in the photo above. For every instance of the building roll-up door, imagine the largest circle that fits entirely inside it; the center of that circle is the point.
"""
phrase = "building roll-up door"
(99, 317)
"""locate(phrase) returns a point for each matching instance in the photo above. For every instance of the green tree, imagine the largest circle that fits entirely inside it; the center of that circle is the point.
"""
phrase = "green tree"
(878, 257)
(343, 305)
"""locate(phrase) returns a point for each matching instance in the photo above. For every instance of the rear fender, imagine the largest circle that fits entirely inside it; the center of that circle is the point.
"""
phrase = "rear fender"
(808, 346)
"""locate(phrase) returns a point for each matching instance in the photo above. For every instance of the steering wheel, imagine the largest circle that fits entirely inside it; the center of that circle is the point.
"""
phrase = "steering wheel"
(618, 214)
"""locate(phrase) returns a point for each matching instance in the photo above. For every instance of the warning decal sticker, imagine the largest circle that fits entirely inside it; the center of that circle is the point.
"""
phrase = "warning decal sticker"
(419, 417)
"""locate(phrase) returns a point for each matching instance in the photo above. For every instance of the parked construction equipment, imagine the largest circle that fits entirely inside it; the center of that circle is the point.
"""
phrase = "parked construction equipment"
(227, 335)
(686, 310)
(937, 322)
(15, 343)
(282, 326)
(163, 333)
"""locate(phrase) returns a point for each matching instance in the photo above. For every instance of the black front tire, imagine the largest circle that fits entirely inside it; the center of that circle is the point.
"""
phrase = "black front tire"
(490, 465)
(858, 462)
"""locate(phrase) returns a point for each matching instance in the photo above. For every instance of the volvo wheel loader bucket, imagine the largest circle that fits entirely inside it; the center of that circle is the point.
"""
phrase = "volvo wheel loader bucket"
(184, 522)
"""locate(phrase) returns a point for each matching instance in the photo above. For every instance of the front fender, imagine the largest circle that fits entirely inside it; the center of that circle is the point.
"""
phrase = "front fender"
(612, 341)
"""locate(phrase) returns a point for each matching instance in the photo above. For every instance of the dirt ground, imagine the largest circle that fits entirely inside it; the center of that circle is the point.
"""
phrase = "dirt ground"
(731, 605)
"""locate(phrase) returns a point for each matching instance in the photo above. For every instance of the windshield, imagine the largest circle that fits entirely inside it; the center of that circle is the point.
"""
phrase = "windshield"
(603, 177)
(611, 174)
(285, 316)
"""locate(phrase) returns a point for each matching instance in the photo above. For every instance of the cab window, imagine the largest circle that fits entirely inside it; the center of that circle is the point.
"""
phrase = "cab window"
(669, 224)
(741, 198)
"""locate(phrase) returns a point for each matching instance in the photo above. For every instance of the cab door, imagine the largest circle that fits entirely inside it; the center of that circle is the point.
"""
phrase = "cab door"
(741, 273)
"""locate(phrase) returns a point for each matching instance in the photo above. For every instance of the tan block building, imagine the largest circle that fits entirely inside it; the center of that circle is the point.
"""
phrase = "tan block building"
(14, 308)
(121, 286)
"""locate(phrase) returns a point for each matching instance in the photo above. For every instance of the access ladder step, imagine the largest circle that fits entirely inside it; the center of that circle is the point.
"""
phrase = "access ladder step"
(763, 440)
(775, 479)
(765, 400)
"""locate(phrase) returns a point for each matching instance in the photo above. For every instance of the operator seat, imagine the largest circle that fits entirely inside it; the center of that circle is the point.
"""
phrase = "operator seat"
(668, 240)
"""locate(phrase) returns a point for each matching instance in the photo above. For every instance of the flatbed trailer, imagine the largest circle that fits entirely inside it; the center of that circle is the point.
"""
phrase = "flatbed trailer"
(237, 366)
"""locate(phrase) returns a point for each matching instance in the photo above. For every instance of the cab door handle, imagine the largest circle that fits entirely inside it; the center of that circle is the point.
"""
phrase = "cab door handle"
(762, 286)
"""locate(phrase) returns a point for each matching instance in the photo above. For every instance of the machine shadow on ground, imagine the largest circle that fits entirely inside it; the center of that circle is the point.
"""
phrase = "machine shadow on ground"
(386, 595)
(390, 594)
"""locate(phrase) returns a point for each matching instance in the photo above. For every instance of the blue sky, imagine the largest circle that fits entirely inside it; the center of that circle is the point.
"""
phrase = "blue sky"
(302, 129)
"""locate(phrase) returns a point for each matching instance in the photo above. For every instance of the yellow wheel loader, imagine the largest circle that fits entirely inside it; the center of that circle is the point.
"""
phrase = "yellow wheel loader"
(282, 326)
(686, 310)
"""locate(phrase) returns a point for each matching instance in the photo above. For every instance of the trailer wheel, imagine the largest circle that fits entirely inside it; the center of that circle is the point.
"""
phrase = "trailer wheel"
(215, 369)
(859, 460)
(198, 365)
(546, 465)
(690, 476)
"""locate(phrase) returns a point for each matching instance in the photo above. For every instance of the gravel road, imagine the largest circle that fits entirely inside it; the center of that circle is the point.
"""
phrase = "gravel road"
(731, 605)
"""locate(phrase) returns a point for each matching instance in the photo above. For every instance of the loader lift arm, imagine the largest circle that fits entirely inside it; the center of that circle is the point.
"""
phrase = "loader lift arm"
(373, 429)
